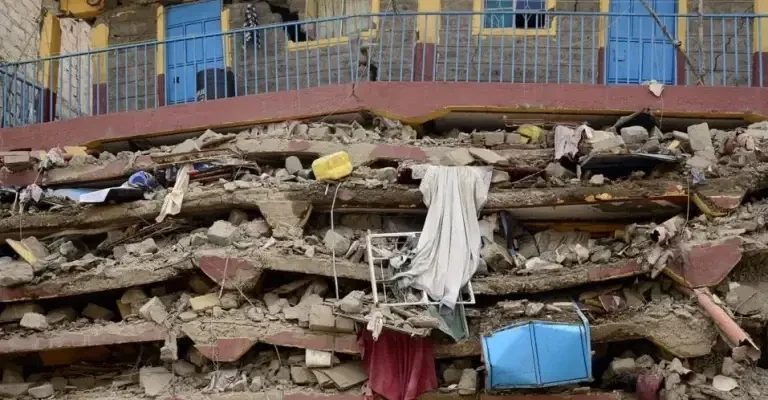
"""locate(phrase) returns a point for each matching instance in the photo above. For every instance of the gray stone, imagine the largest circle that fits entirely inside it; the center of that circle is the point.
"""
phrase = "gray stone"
(651, 146)
(496, 257)
(634, 136)
(352, 302)
(237, 217)
(34, 321)
(183, 368)
(257, 228)
(154, 310)
(59, 383)
(337, 242)
(68, 250)
(154, 380)
(499, 176)
(597, 180)
(600, 256)
(186, 146)
(451, 375)
(274, 303)
(14, 390)
(457, 158)
(489, 138)
(487, 156)
(147, 246)
(12, 373)
(94, 311)
(388, 174)
(731, 368)
(60, 315)
(622, 366)
(533, 309)
(468, 382)
(700, 138)
(15, 311)
(257, 383)
(514, 138)
(230, 300)
(293, 165)
(555, 170)
(321, 318)
(301, 375)
(699, 162)
(319, 133)
(221, 233)
(41, 392)
(187, 316)
(16, 273)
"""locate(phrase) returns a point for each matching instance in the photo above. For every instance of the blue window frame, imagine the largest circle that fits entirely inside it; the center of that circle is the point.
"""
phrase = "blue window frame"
(518, 19)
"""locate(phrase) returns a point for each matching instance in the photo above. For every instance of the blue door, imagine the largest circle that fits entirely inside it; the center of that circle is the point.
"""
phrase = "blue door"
(638, 50)
(186, 57)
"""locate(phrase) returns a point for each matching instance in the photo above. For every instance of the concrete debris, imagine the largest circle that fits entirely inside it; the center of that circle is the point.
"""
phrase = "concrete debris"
(34, 321)
(724, 383)
(221, 233)
(96, 312)
(154, 380)
(16, 311)
(41, 392)
(468, 382)
(147, 246)
(61, 315)
(15, 273)
(154, 310)
(335, 241)
(202, 303)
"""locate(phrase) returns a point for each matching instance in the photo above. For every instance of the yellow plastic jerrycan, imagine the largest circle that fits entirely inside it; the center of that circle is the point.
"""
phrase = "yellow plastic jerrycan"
(332, 167)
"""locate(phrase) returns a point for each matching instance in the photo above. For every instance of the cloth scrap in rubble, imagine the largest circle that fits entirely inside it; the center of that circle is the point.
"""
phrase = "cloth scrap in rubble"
(448, 252)
(399, 367)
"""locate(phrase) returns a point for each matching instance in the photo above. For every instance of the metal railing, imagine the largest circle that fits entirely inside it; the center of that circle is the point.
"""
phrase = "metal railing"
(535, 47)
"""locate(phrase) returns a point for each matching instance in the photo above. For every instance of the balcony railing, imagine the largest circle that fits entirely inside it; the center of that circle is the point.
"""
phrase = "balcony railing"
(535, 47)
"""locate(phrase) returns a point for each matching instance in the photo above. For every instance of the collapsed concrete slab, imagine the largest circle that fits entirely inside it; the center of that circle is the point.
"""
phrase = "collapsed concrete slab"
(99, 334)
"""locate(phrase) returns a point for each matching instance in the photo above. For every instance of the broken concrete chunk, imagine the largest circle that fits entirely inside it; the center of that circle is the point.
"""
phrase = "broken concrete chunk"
(724, 383)
(94, 311)
(154, 380)
(14, 390)
(60, 315)
(293, 165)
(496, 257)
(302, 376)
(202, 303)
(199, 285)
(230, 300)
(457, 158)
(621, 366)
(487, 156)
(16, 273)
(468, 382)
(186, 146)
(15, 311)
(634, 136)
(700, 138)
(68, 250)
(321, 318)
(34, 321)
(154, 310)
(499, 176)
(597, 180)
(555, 170)
(183, 368)
(147, 246)
(352, 302)
(41, 392)
(221, 233)
(452, 375)
(275, 304)
(335, 241)
(237, 217)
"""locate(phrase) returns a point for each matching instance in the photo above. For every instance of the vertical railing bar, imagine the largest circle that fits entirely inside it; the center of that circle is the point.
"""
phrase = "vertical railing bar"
(537, 36)
(570, 49)
(629, 53)
(736, 50)
(135, 77)
(445, 28)
(146, 72)
(525, 51)
(581, 51)
(391, 49)
(125, 76)
(469, 44)
(437, 21)
(559, 58)
(546, 57)
(458, 49)
(490, 55)
(287, 63)
(725, 54)
(501, 58)
(235, 61)
(760, 46)
(712, 51)
(276, 56)
(423, 47)
(748, 56)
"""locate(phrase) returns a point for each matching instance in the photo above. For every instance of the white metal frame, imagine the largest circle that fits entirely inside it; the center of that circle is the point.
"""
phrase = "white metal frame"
(384, 281)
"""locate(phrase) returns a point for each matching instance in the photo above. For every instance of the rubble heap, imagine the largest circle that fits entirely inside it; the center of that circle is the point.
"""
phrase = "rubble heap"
(227, 264)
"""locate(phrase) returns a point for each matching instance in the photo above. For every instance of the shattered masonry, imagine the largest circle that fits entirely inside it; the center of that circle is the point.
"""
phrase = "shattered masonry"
(658, 235)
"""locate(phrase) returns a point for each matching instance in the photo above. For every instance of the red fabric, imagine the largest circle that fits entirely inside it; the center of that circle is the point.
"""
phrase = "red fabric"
(648, 387)
(399, 367)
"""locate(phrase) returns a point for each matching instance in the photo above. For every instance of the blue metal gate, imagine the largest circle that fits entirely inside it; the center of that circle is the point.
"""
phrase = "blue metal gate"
(184, 58)
(638, 50)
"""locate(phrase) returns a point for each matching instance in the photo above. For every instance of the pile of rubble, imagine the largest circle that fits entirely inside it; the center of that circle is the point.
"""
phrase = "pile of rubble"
(228, 263)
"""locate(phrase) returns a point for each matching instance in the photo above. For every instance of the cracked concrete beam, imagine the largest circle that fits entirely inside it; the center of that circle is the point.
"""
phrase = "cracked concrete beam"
(119, 277)
(664, 196)
(360, 154)
(90, 335)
